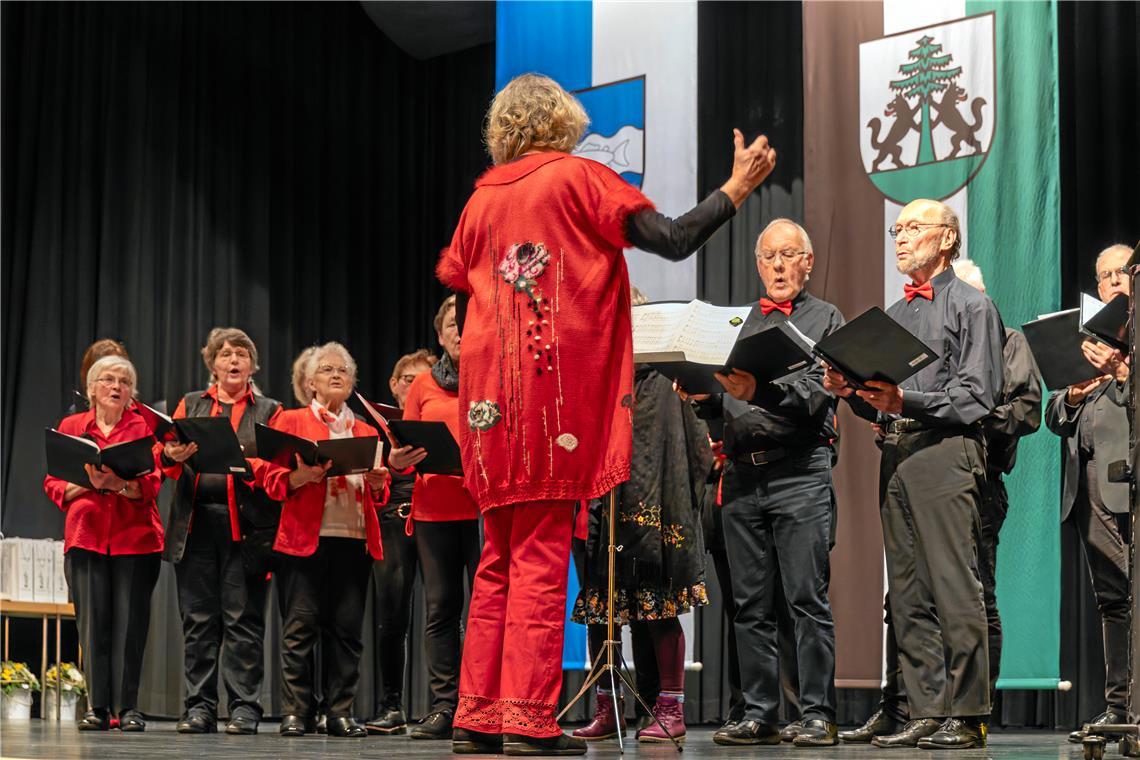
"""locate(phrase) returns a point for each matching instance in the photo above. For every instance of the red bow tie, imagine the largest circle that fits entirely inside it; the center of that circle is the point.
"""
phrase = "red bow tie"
(925, 290)
(767, 307)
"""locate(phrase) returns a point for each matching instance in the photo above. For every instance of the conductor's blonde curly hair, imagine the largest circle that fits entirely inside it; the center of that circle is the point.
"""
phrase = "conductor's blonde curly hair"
(533, 111)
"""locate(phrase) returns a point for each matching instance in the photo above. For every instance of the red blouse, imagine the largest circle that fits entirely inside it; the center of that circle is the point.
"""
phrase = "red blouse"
(108, 523)
(436, 498)
(301, 511)
(546, 379)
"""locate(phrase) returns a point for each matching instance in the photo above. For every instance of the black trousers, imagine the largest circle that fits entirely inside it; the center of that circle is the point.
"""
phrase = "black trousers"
(322, 597)
(1107, 557)
(777, 531)
(446, 550)
(930, 485)
(222, 589)
(732, 660)
(112, 612)
(393, 579)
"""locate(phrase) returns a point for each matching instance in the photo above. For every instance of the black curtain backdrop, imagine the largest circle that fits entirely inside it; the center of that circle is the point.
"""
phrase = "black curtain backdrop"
(169, 167)
(283, 167)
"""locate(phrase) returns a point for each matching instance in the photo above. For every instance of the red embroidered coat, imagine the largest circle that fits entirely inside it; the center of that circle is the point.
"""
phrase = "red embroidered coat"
(546, 376)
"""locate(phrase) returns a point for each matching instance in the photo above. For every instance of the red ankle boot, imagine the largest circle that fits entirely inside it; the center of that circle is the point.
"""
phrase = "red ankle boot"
(604, 725)
(671, 713)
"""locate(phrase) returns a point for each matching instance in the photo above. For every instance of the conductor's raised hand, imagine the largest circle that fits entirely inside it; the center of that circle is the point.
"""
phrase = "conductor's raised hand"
(304, 474)
(739, 384)
(405, 456)
(835, 383)
(751, 165)
(885, 397)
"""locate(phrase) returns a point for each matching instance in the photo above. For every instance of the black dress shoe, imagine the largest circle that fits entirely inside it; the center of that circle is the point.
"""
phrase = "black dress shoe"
(909, 735)
(131, 721)
(389, 722)
(295, 725)
(98, 719)
(1107, 718)
(956, 733)
(197, 722)
(747, 732)
(817, 733)
(879, 724)
(243, 721)
(554, 746)
(435, 726)
(345, 727)
(467, 742)
(788, 732)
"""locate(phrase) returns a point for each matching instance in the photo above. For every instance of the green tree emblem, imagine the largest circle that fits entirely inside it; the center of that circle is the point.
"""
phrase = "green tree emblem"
(926, 73)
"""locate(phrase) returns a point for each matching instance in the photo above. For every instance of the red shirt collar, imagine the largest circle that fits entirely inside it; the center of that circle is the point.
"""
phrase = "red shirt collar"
(212, 392)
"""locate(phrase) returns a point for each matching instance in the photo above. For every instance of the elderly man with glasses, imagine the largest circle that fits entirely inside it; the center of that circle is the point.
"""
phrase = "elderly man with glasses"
(777, 496)
(1092, 419)
(930, 481)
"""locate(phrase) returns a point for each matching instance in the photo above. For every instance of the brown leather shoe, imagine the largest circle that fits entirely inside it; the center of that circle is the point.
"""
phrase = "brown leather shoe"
(879, 724)
(817, 733)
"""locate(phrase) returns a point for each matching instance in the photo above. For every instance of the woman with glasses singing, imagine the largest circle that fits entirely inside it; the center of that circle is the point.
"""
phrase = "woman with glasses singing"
(394, 576)
(217, 537)
(446, 529)
(325, 545)
(547, 384)
(112, 541)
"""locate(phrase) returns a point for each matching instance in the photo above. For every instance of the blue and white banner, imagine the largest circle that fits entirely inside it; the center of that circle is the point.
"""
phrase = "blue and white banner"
(633, 65)
(641, 98)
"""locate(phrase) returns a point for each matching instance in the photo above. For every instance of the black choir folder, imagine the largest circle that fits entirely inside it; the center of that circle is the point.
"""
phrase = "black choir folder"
(434, 437)
(349, 456)
(1055, 339)
(67, 454)
(870, 347)
(219, 452)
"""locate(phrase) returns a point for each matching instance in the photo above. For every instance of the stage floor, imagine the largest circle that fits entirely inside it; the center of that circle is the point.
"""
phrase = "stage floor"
(39, 739)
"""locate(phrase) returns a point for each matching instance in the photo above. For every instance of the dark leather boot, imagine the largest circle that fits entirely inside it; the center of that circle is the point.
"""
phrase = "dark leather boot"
(556, 746)
(467, 742)
(604, 724)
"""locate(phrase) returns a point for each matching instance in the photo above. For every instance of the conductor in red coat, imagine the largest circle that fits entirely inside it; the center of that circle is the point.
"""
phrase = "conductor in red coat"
(546, 385)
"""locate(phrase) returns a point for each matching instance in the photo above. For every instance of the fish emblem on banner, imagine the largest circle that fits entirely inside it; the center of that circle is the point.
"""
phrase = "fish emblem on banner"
(616, 135)
(928, 106)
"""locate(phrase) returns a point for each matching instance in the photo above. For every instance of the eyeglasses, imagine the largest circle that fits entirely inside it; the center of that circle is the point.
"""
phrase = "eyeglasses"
(1102, 276)
(407, 379)
(110, 380)
(328, 369)
(910, 229)
(227, 353)
(787, 255)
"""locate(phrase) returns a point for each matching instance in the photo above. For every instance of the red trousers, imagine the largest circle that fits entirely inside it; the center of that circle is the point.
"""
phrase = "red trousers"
(512, 654)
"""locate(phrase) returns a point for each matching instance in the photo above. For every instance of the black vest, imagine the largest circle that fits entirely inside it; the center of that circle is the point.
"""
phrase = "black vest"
(258, 511)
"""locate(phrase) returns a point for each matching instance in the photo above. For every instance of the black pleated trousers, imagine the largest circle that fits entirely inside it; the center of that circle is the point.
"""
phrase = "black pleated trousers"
(393, 579)
(322, 597)
(112, 612)
(447, 550)
(930, 489)
(222, 589)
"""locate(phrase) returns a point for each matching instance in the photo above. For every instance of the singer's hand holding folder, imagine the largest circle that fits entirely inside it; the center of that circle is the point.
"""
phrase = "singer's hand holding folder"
(874, 347)
(349, 456)
(434, 438)
(1055, 339)
(67, 455)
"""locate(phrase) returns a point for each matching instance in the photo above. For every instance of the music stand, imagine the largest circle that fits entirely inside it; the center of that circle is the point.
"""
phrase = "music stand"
(613, 663)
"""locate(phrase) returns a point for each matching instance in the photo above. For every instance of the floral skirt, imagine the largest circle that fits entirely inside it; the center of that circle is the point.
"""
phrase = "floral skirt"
(644, 604)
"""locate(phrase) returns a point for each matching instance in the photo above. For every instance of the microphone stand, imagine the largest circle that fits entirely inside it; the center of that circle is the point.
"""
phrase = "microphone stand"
(610, 661)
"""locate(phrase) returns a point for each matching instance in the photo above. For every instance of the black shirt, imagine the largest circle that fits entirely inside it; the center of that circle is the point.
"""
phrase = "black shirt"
(793, 412)
(1019, 410)
(964, 327)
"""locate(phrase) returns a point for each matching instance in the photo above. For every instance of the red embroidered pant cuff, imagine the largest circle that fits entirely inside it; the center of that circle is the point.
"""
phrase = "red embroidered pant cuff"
(512, 654)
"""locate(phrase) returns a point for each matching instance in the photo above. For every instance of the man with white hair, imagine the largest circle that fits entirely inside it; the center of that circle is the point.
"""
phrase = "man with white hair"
(1092, 419)
(777, 496)
(930, 479)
